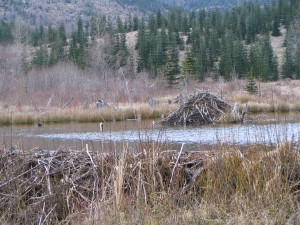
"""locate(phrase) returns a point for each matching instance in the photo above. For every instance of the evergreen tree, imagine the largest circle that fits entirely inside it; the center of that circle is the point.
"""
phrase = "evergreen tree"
(82, 52)
(251, 86)
(185, 25)
(226, 66)
(240, 59)
(73, 49)
(123, 51)
(173, 69)
(62, 34)
(130, 23)
(297, 60)
(159, 19)
(51, 34)
(78, 51)
(161, 49)
(141, 47)
(188, 65)
(40, 57)
(135, 23)
(288, 68)
(94, 32)
(120, 26)
(152, 24)
(6, 32)
(276, 24)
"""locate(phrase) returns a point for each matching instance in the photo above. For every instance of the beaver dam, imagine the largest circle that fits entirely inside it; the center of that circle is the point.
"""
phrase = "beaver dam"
(49, 187)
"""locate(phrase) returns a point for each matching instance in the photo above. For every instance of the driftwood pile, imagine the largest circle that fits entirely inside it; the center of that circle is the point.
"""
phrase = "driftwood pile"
(201, 108)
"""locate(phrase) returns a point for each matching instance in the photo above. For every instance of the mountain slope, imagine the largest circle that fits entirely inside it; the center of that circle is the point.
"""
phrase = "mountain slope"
(145, 5)
(44, 12)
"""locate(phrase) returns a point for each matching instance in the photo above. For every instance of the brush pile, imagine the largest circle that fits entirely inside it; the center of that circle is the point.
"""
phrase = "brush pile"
(201, 108)
(50, 185)
(64, 186)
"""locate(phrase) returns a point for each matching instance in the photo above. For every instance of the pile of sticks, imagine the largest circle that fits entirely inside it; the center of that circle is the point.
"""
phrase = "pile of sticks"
(52, 184)
(201, 108)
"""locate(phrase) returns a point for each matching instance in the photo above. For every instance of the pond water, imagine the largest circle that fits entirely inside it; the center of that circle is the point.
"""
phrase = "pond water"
(274, 129)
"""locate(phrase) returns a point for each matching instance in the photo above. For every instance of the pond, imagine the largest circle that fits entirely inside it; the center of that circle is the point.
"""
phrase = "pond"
(272, 130)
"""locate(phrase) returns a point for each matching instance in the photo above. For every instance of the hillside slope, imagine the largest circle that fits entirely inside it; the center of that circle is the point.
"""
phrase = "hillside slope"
(43, 12)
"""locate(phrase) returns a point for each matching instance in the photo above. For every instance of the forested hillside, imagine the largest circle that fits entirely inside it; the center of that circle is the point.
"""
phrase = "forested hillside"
(184, 4)
(176, 46)
(36, 13)
(44, 12)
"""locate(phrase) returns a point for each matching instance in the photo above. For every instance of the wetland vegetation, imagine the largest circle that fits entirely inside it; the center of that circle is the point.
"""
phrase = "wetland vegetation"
(79, 106)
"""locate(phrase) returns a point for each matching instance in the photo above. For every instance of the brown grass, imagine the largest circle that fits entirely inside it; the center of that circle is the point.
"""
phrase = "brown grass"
(90, 114)
(47, 91)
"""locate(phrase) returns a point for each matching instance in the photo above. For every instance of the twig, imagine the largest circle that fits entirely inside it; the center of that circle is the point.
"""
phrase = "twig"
(49, 213)
(18, 176)
(87, 151)
(68, 103)
(175, 166)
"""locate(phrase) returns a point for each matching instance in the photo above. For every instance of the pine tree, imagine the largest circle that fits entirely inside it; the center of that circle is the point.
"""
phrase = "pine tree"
(226, 66)
(6, 32)
(40, 57)
(185, 25)
(161, 49)
(135, 23)
(288, 68)
(94, 32)
(297, 60)
(123, 51)
(251, 86)
(130, 23)
(78, 50)
(51, 34)
(120, 26)
(240, 59)
(73, 49)
(159, 19)
(62, 34)
(173, 69)
(276, 24)
(188, 65)
(152, 24)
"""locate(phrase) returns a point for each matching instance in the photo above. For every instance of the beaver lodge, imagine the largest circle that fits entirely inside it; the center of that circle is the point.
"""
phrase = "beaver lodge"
(201, 108)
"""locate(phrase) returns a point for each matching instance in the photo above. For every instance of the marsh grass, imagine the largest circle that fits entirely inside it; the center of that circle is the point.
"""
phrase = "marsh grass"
(224, 186)
(91, 114)
(277, 96)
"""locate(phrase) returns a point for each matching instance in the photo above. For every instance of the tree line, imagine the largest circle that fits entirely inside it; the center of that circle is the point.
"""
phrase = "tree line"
(216, 43)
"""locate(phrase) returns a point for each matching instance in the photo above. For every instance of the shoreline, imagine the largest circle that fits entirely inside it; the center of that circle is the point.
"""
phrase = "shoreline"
(138, 111)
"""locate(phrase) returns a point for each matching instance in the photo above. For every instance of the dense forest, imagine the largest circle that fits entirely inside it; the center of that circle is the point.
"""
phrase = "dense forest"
(184, 4)
(215, 43)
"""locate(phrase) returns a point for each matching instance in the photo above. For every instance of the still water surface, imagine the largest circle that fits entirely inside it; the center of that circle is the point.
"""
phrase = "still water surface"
(271, 131)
